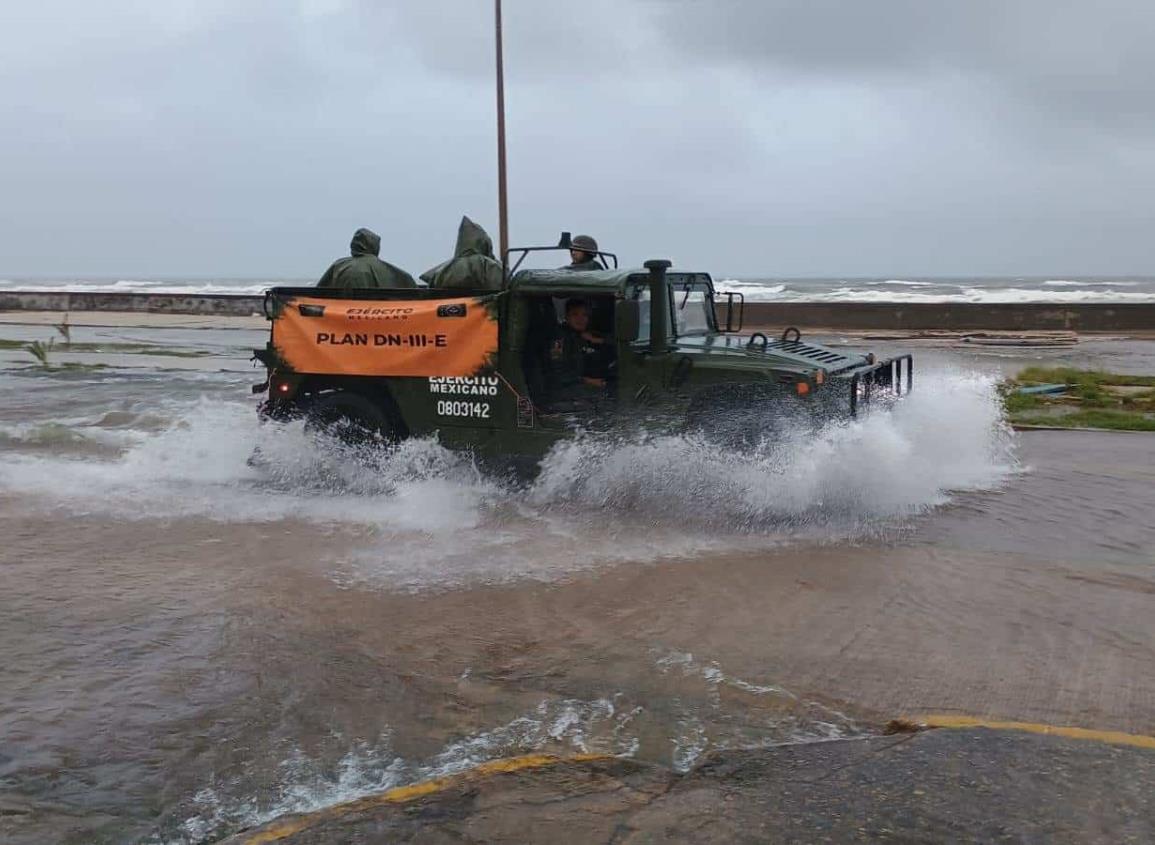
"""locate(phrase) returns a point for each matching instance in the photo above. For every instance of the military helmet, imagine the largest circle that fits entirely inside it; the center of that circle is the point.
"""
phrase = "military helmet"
(584, 243)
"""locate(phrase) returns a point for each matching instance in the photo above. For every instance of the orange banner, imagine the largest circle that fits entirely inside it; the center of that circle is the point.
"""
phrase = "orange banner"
(418, 337)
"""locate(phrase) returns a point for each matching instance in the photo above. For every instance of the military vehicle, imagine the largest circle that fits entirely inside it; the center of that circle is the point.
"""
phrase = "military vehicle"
(480, 369)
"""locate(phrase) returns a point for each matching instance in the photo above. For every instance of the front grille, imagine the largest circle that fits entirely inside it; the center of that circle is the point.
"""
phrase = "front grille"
(827, 358)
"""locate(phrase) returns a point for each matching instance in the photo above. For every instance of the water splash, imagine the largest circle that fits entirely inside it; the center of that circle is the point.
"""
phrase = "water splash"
(948, 436)
(433, 518)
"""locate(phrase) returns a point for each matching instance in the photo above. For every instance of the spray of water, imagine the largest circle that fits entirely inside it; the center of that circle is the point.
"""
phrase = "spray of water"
(949, 436)
(434, 518)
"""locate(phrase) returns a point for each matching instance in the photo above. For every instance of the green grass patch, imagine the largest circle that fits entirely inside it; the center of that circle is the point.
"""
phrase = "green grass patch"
(1016, 403)
(116, 348)
(141, 349)
(1089, 401)
(1092, 395)
(1072, 376)
(41, 351)
(1097, 418)
(71, 367)
(138, 349)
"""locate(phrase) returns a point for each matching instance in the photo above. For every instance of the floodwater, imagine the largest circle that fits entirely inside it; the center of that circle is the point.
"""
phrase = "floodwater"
(190, 645)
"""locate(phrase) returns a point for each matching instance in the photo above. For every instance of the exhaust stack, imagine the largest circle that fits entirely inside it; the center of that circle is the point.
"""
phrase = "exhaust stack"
(659, 304)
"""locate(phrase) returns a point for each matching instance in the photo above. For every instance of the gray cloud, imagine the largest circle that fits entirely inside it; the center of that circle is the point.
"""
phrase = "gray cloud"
(1089, 61)
(890, 137)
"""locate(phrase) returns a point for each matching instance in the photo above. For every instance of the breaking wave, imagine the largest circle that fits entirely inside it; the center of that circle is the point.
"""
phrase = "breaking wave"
(234, 287)
(434, 518)
(983, 290)
(1000, 296)
(987, 291)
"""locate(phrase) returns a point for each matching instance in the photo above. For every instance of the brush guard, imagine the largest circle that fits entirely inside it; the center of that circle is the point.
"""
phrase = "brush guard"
(892, 378)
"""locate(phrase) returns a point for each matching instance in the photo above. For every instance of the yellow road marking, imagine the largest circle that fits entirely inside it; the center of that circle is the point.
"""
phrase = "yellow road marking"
(277, 831)
(1111, 737)
(401, 794)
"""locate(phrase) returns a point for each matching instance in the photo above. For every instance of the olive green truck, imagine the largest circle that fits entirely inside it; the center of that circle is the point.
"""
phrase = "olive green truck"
(480, 369)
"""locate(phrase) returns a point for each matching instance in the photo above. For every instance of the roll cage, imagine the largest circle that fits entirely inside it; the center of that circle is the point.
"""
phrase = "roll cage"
(565, 243)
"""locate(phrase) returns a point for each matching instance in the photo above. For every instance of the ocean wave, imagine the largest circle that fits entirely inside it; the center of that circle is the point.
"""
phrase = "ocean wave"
(1111, 283)
(238, 288)
(989, 291)
(740, 286)
(992, 291)
(990, 296)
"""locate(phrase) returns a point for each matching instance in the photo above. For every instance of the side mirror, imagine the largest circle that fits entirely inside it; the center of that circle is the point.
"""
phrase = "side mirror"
(628, 320)
(732, 325)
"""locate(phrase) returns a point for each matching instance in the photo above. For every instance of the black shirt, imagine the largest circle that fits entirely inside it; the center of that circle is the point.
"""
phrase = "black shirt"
(581, 358)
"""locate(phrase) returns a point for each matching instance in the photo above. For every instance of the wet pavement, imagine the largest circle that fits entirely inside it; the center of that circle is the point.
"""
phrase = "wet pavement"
(191, 647)
(940, 786)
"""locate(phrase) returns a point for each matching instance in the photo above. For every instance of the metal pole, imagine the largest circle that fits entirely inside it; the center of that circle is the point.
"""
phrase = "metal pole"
(502, 208)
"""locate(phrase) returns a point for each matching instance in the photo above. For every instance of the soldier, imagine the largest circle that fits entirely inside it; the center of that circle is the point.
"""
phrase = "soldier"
(583, 254)
(472, 265)
(584, 356)
(363, 269)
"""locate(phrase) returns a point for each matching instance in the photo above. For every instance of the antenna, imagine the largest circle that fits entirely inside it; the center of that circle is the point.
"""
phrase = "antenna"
(502, 207)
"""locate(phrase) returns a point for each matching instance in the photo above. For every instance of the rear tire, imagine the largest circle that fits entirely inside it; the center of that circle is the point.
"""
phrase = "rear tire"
(352, 418)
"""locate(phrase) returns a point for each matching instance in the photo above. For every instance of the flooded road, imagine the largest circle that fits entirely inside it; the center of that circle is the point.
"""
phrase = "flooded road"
(190, 645)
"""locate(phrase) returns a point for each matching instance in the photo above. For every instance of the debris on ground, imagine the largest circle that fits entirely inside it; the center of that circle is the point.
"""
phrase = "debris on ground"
(1064, 397)
(978, 337)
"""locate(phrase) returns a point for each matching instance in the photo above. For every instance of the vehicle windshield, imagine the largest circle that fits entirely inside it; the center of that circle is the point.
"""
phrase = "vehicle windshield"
(642, 295)
(692, 310)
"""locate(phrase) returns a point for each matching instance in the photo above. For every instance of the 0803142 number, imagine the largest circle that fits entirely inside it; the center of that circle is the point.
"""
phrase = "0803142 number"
(475, 410)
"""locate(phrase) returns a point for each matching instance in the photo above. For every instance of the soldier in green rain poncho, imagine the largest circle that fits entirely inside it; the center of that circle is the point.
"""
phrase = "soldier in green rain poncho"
(472, 266)
(363, 269)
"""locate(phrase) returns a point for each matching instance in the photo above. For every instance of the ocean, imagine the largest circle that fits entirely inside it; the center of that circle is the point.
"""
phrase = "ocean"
(761, 289)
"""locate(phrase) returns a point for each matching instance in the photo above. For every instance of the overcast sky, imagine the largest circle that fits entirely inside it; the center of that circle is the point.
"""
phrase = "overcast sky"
(744, 137)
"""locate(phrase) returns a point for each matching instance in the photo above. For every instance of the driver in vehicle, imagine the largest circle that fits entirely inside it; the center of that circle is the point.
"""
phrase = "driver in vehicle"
(583, 356)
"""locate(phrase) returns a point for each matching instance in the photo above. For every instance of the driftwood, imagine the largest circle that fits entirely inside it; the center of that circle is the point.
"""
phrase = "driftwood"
(985, 338)
(1057, 338)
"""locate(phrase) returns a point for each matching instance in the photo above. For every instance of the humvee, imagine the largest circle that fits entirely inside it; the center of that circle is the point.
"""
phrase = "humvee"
(477, 369)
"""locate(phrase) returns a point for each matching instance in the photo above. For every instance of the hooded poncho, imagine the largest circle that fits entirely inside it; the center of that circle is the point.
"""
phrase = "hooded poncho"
(363, 269)
(472, 266)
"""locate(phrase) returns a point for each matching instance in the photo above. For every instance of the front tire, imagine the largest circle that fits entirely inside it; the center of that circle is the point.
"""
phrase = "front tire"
(743, 416)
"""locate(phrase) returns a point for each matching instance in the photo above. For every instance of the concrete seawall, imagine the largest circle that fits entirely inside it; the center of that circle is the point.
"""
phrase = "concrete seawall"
(1087, 317)
(229, 305)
